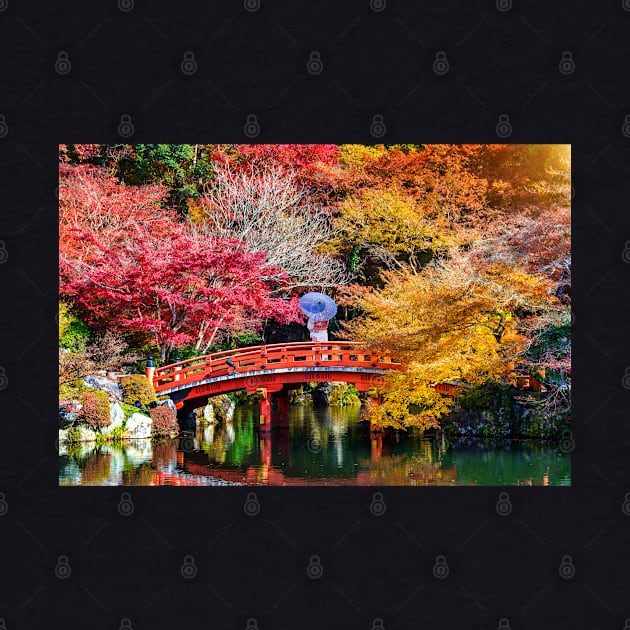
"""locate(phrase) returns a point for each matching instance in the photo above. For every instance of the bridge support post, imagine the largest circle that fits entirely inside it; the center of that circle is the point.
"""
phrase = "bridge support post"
(376, 446)
(282, 399)
(265, 409)
(375, 400)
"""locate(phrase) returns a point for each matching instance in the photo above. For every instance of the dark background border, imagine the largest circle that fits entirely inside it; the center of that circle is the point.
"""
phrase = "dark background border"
(374, 63)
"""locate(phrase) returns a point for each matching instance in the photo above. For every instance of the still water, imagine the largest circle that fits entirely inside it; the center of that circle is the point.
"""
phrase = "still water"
(328, 446)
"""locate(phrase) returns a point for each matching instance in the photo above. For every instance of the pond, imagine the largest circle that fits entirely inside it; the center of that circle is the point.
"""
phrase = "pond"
(327, 446)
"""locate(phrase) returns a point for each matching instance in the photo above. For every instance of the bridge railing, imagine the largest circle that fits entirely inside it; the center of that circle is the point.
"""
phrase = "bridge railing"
(270, 357)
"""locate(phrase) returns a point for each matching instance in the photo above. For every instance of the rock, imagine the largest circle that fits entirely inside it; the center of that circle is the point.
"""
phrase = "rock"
(114, 390)
(87, 435)
(69, 412)
(322, 393)
(208, 414)
(138, 426)
(84, 435)
(218, 408)
(117, 417)
(223, 407)
(67, 419)
(227, 408)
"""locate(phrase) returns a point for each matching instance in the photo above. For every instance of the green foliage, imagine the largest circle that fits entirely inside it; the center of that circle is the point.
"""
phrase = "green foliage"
(242, 397)
(128, 409)
(355, 259)
(301, 395)
(73, 333)
(179, 167)
(343, 396)
(241, 340)
(73, 434)
(115, 435)
(555, 339)
(484, 395)
(73, 389)
(76, 336)
(136, 387)
(95, 412)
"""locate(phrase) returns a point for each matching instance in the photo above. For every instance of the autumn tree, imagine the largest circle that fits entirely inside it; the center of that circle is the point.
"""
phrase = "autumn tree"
(269, 211)
(95, 207)
(183, 289)
(459, 318)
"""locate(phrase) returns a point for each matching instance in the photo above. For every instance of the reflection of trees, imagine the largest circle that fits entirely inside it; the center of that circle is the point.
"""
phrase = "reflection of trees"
(140, 476)
(232, 442)
(92, 465)
(405, 470)
(96, 468)
(520, 463)
(164, 455)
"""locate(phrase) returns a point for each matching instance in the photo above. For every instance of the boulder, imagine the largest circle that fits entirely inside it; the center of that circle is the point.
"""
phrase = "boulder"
(68, 412)
(321, 394)
(167, 403)
(87, 435)
(223, 408)
(227, 407)
(138, 426)
(117, 417)
(208, 414)
(113, 389)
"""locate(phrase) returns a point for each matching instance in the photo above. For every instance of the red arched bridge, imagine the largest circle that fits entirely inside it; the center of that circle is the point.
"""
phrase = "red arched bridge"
(273, 369)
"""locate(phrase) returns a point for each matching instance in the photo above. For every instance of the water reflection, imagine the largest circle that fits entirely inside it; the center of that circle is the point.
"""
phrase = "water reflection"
(327, 446)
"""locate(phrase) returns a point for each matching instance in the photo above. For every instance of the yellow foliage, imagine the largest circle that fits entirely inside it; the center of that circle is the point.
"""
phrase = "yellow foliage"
(196, 214)
(452, 321)
(65, 318)
(358, 155)
(388, 224)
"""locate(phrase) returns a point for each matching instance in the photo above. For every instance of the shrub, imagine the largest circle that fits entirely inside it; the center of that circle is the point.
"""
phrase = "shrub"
(73, 435)
(95, 413)
(164, 421)
(111, 353)
(73, 333)
(137, 387)
(73, 366)
(72, 390)
(75, 336)
(342, 396)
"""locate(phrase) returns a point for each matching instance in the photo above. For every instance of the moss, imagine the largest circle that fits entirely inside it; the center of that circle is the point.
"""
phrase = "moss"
(128, 410)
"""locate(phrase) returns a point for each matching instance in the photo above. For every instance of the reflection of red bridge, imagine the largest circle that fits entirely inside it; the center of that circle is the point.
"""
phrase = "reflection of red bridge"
(194, 472)
(273, 368)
